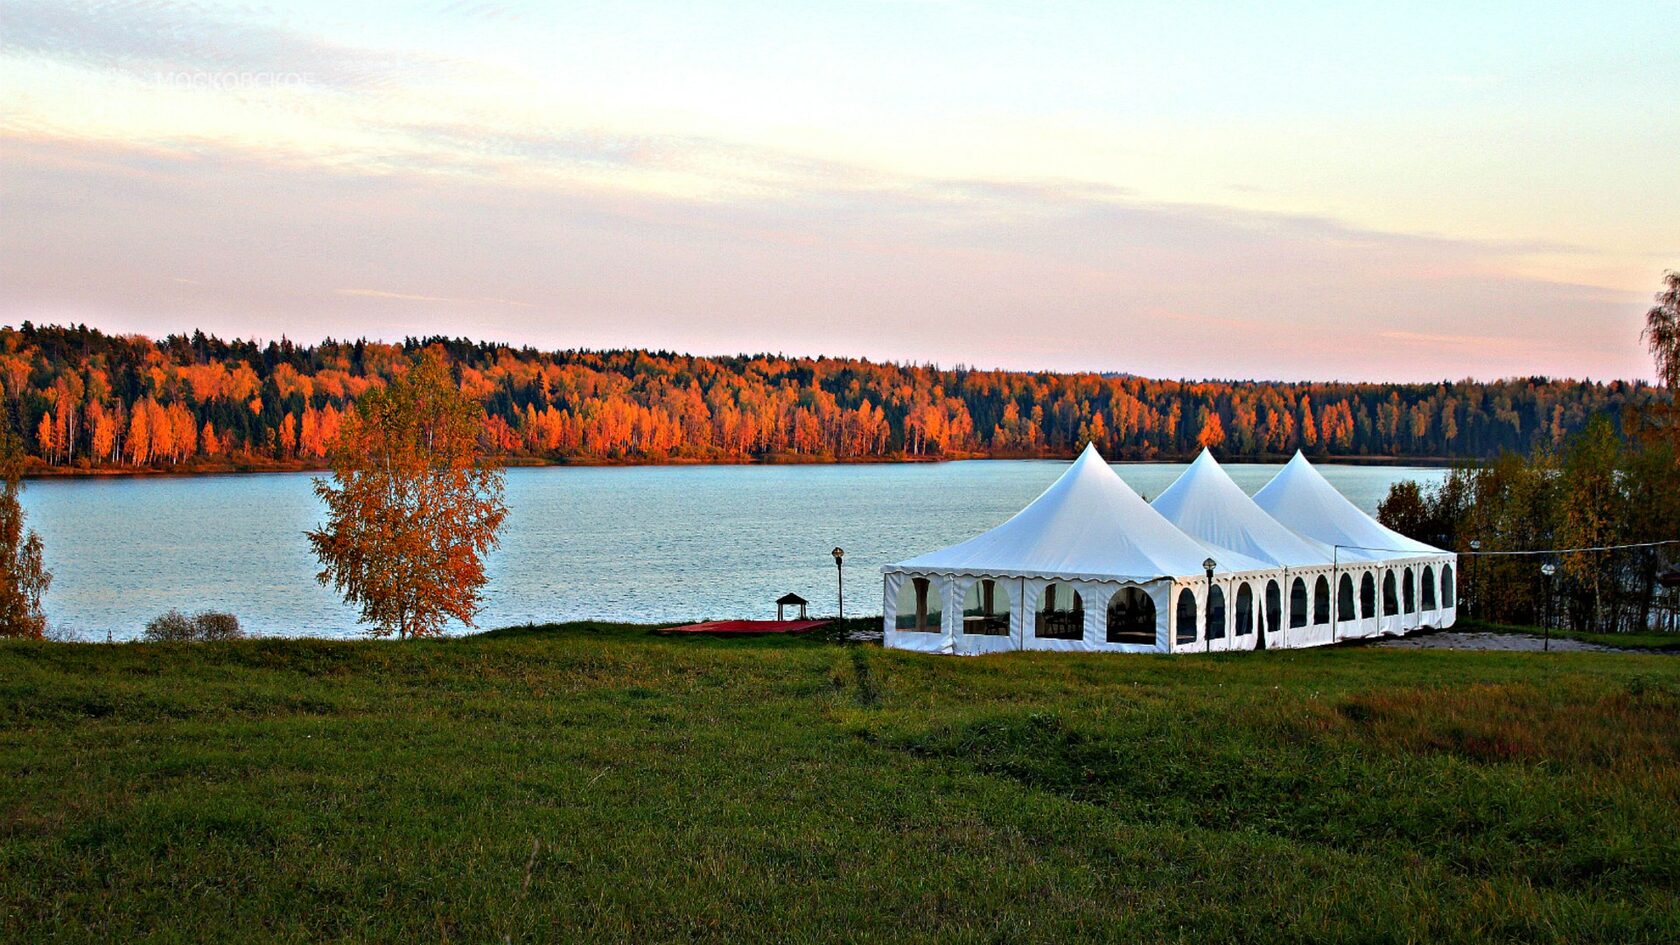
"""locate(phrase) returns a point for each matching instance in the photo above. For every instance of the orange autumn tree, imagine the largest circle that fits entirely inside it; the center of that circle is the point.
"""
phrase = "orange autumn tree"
(24, 577)
(413, 505)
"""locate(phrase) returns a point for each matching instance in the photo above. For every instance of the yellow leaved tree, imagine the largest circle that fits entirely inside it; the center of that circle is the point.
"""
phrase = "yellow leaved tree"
(413, 505)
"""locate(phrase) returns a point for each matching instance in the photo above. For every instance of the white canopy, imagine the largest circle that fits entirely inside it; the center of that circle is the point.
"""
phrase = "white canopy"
(1088, 525)
(1301, 498)
(1206, 504)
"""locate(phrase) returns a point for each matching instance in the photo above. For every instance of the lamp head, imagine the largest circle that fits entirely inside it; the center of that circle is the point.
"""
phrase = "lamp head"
(1209, 564)
(1475, 544)
(1548, 569)
(838, 553)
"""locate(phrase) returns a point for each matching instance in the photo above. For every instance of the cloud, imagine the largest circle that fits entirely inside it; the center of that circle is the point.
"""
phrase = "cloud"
(411, 297)
(159, 38)
(1014, 274)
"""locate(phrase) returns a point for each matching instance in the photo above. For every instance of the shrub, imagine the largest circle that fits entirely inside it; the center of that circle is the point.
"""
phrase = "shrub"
(214, 625)
(175, 626)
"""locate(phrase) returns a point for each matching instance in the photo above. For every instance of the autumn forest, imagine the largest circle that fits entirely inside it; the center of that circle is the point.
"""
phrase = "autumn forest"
(87, 400)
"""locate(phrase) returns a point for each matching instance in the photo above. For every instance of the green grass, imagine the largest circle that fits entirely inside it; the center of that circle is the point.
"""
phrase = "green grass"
(599, 783)
(1653, 640)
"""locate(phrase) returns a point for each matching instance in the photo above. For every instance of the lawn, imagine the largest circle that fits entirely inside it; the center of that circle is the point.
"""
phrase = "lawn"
(596, 782)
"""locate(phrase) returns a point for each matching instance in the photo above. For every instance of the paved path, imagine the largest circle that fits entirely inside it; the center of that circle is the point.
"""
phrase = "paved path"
(1519, 642)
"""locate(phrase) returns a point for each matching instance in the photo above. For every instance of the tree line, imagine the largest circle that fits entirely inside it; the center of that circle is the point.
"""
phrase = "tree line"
(1601, 509)
(87, 399)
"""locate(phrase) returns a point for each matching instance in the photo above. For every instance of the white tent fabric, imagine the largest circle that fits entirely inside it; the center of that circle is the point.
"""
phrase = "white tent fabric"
(1088, 524)
(1090, 566)
(1412, 582)
(1088, 542)
(1206, 504)
(1301, 498)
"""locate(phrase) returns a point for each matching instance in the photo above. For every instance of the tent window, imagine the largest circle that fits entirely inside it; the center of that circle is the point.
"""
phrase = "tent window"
(1245, 610)
(1321, 600)
(1428, 588)
(1391, 603)
(986, 610)
(1298, 603)
(1216, 614)
(1367, 596)
(1131, 617)
(1061, 615)
(1447, 589)
(1344, 598)
(918, 608)
(1186, 616)
(1410, 585)
(1274, 606)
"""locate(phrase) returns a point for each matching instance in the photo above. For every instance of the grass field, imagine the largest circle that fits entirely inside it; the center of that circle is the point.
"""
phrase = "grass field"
(596, 782)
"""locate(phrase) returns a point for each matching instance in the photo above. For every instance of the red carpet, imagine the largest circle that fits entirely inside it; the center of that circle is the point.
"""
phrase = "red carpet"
(747, 627)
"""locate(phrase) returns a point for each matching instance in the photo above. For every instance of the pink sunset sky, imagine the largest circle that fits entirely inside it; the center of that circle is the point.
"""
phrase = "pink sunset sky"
(1305, 192)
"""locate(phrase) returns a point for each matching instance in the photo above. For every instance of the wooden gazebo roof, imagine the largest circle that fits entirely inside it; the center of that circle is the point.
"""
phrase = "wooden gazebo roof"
(791, 598)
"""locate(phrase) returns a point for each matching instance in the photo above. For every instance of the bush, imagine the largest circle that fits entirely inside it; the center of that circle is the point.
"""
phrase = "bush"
(214, 625)
(205, 625)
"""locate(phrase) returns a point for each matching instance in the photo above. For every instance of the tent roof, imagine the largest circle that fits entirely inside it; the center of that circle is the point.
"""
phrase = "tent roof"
(1300, 498)
(1088, 524)
(1206, 504)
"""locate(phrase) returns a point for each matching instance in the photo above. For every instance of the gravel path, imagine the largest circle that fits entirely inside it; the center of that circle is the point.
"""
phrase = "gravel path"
(1518, 642)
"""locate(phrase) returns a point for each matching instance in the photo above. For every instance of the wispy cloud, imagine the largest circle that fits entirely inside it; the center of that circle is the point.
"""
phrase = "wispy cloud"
(412, 297)
(163, 37)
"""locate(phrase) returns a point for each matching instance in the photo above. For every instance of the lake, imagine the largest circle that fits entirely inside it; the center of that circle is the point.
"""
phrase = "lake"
(647, 543)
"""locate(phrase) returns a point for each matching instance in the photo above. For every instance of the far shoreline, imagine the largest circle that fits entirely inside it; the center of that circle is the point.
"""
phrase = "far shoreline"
(42, 472)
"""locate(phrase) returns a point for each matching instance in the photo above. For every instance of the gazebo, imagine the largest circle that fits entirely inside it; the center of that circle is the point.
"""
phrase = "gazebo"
(791, 599)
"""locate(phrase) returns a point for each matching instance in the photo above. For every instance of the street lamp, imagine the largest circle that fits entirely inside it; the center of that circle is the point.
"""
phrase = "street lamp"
(1475, 575)
(1548, 569)
(1208, 564)
(840, 578)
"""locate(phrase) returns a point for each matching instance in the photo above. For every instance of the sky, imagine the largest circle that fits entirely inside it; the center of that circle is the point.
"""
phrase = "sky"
(1278, 191)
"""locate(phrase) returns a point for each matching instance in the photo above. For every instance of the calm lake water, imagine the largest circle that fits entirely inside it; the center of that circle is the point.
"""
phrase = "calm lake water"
(635, 543)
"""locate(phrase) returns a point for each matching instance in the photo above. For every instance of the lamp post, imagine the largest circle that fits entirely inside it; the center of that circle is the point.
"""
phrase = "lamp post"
(1208, 564)
(840, 578)
(1548, 569)
(1475, 577)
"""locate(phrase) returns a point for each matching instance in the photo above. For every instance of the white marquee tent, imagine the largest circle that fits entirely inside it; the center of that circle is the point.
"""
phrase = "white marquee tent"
(1090, 566)
(1403, 583)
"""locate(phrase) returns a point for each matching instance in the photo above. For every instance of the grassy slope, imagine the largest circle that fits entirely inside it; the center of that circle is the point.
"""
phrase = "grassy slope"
(603, 783)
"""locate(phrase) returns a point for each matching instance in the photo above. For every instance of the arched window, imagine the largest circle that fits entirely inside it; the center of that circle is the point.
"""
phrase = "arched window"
(1448, 591)
(1274, 607)
(1186, 616)
(1344, 598)
(1391, 603)
(918, 607)
(1216, 613)
(986, 609)
(1061, 614)
(1428, 588)
(1131, 617)
(1367, 596)
(1410, 592)
(1245, 610)
(1321, 600)
(1298, 603)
